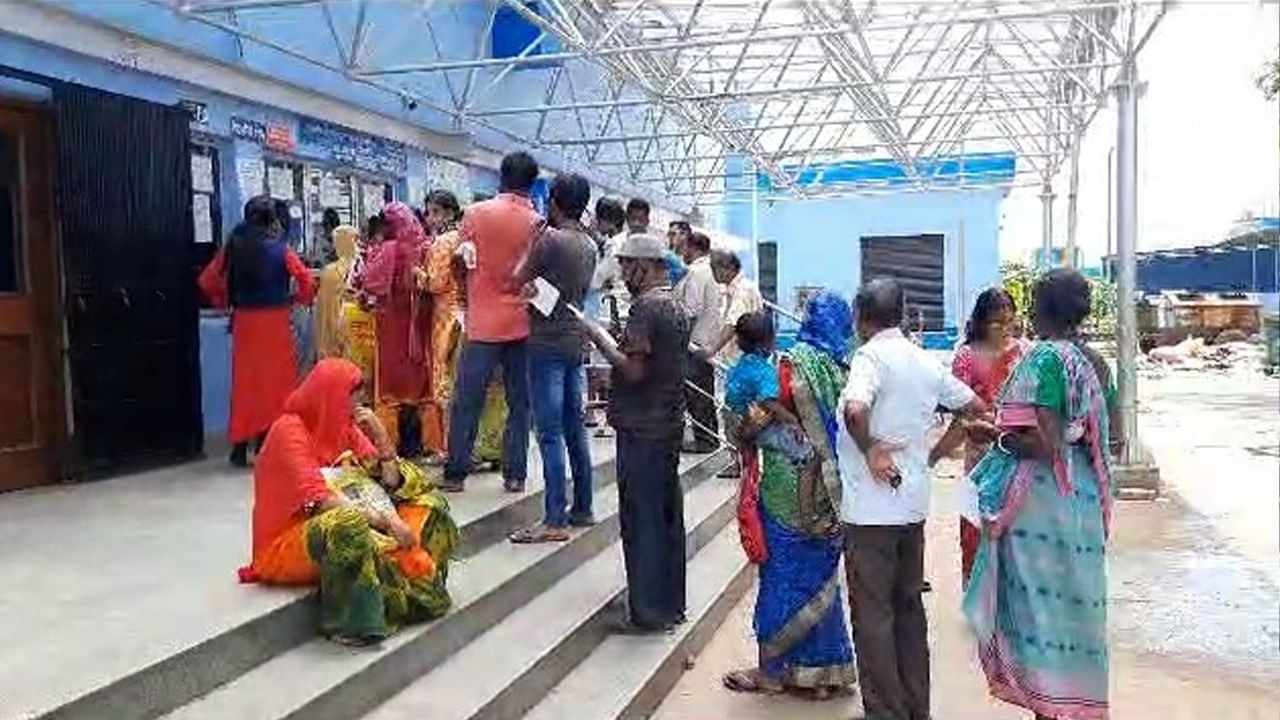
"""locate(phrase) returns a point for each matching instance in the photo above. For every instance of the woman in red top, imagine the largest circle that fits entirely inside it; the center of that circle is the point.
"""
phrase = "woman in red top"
(251, 276)
(991, 350)
(403, 327)
(333, 507)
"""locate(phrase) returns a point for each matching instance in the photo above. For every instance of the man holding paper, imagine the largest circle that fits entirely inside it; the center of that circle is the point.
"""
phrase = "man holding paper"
(558, 274)
(646, 408)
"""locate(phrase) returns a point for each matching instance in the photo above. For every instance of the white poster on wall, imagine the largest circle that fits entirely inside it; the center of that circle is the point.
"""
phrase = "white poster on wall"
(417, 191)
(331, 192)
(373, 197)
(202, 215)
(250, 174)
(449, 175)
(202, 173)
(280, 182)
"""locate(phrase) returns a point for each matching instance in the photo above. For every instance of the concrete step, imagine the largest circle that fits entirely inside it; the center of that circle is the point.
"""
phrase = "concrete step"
(233, 629)
(509, 669)
(318, 680)
(628, 677)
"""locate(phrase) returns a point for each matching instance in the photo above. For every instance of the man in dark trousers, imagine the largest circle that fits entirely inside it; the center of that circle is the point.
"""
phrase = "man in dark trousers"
(887, 410)
(646, 409)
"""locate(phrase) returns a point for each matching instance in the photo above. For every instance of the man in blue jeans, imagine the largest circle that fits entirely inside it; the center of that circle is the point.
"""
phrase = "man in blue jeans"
(499, 233)
(564, 255)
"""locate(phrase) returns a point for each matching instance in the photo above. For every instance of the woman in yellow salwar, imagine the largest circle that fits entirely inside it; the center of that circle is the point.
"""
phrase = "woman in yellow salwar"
(440, 278)
(334, 506)
(335, 292)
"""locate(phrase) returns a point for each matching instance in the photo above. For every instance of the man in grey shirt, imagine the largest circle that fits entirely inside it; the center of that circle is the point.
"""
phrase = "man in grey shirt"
(565, 256)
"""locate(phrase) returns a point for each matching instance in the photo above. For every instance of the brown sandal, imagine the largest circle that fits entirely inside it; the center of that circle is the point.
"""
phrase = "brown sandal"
(750, 681)
(539, 534)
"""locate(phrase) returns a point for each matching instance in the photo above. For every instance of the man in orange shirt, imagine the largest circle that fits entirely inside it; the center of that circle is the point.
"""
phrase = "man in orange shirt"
(497, 324)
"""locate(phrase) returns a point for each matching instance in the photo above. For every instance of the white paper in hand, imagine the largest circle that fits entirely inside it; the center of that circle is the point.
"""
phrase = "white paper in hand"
(546, 297)
(967, 500)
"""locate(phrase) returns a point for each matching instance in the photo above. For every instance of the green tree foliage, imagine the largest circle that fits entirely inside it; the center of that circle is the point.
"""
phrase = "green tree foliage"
(1019, 281)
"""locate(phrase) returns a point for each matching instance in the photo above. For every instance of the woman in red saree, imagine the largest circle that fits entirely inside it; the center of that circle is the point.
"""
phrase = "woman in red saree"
(402, 386)
(251, 276)
(333, 506)
(990, 352)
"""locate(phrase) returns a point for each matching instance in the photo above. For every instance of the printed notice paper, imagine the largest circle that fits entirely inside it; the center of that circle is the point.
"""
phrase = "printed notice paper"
(546, 298)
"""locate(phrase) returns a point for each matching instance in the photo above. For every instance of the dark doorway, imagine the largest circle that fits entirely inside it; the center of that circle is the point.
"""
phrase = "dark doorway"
(32, 421)
(767, 255)
(125, 199)
(915, 261)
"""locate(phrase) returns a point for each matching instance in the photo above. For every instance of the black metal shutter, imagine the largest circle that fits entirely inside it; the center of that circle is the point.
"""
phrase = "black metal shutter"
(128, 256)
(915, 261)
(767, 256)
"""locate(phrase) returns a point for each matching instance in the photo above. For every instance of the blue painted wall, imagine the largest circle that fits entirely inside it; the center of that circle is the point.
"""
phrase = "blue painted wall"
(819, 240)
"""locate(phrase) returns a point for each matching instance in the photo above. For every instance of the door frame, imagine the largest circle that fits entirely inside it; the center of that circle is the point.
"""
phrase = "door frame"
(42, 263)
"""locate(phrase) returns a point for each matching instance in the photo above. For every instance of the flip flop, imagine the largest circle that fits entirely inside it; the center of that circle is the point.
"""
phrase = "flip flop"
(539, 534)
(748, 681)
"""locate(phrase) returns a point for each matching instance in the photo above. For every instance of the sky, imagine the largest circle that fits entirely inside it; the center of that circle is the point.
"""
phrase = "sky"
(1208, 142)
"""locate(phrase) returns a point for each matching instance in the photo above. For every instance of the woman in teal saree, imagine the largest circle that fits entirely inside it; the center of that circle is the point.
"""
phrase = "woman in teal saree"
(1037, 600)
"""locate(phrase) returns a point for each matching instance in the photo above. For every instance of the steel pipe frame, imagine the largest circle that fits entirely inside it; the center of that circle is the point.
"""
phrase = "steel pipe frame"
(632, 59)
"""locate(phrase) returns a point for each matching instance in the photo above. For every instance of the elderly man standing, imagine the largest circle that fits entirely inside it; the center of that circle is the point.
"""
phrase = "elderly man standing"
(887, 408)
(646, 408)
(700, 295)
(741, 296)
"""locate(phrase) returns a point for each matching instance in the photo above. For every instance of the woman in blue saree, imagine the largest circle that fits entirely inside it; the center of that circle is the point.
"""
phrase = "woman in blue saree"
(1037, 600)
(799, 617)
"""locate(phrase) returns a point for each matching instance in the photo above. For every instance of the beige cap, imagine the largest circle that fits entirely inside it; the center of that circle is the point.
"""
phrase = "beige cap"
(642, 247)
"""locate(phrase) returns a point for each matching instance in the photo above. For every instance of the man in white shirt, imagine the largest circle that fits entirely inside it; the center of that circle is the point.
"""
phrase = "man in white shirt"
(741, 296)
(699, 293)
(888, 406)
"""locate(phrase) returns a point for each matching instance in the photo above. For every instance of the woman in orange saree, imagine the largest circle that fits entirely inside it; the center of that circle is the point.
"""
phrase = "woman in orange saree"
(440, 279)
(333, 507)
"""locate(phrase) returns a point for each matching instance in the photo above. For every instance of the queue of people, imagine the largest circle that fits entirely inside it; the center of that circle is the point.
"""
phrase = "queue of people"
(431, 350)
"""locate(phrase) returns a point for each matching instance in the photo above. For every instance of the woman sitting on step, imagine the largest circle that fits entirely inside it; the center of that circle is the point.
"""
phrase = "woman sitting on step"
(334, 506)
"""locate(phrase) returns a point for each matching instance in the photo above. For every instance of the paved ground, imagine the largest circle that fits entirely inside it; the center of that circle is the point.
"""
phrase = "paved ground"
(1193, 580)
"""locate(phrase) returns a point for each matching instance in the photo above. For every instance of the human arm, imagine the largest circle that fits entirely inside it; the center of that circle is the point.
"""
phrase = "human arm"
(301, 274)
(213, 280)
(857, 400)
(629, 360)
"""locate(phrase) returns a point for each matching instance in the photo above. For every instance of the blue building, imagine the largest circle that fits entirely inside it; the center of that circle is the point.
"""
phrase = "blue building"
(942, 244)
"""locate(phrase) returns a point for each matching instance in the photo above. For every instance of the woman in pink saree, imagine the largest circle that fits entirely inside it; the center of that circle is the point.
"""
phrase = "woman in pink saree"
(402, 376)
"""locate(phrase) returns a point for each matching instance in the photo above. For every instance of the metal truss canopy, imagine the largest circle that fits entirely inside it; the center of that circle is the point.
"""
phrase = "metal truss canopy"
(678, 90)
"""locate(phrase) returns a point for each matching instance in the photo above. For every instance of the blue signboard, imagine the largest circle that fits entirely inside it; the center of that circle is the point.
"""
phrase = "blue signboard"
(354, 149)
(251, 130)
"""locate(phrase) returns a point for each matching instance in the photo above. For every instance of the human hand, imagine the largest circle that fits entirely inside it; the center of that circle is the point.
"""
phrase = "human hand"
(404, 537)
(881, 463)
(391, 474)
(981, 430)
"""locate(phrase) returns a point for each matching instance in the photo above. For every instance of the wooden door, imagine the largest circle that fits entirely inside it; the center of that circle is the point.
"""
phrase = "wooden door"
(31, 422)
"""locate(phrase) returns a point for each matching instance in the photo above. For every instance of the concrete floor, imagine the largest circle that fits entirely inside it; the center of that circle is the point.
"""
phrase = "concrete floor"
(1194, 609)
(101, 579)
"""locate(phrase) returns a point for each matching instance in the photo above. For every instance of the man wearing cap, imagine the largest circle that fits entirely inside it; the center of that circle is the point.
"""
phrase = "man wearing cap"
(646, 409)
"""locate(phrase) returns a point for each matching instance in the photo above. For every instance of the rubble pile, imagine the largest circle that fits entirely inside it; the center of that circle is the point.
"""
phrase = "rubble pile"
(1192, 354)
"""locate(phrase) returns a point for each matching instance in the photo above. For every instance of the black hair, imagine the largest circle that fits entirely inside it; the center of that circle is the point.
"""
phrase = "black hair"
(989, 302)
(517, 172)
(725, 257)
(637, 205)
(1063, 299)
(246, 247)
(755, 332)
(446, 200)
(880, 302)
(610, 211)
(376, 225)
(571, 193)
(699, 242)
(680, 225)
(330, 219)
(281, 210)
